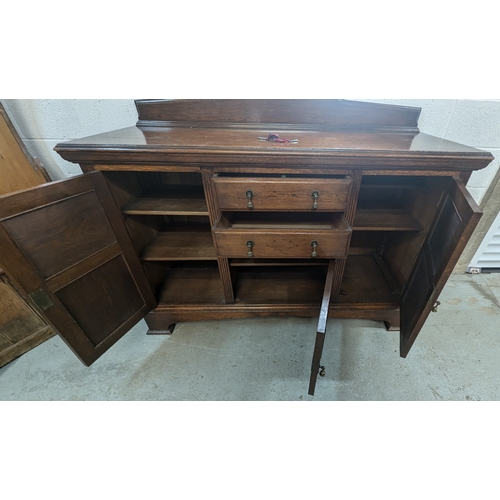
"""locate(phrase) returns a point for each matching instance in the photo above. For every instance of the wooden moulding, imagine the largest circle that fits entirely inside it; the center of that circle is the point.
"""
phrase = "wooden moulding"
(164, 315)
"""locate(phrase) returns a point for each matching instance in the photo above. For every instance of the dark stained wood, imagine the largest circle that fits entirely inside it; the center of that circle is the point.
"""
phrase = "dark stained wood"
(143, 230)
(456, 219)
(167, 206)
(277, 262)
(226, 275)
(217, 133)
(21, 328)
(282, 194)
(70, 274)
(111, 306)
(385, 220)
(376, 172)
(401, 248)
(49, 223)
(292, 240)
(191, 244)
(349, 215)
(92, 308)
(321, 330)
(192, 285)
(274, 287)
(192, 148)
(363, 282)
(327, 113)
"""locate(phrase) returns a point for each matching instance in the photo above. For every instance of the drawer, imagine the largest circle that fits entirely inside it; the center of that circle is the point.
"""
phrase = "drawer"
(288, 193)
(245, 238)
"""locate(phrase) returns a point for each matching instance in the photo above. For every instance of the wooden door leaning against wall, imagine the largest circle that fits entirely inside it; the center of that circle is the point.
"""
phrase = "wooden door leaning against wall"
(21, 328)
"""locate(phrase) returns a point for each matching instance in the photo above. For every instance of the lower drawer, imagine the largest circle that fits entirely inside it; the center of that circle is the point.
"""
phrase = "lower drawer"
(295, 240)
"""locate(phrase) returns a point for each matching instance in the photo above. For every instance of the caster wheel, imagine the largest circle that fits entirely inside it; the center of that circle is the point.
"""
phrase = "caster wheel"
(322, 371)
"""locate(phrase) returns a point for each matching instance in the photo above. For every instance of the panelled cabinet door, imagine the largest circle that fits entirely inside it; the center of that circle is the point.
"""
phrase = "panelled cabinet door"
(457, 217)
(66, 245)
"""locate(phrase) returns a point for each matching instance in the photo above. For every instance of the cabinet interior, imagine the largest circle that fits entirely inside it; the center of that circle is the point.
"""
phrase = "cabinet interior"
(167, 217)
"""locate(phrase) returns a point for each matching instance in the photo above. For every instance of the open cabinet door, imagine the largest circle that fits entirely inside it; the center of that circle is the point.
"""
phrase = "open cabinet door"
(66, 246)
(456, 219)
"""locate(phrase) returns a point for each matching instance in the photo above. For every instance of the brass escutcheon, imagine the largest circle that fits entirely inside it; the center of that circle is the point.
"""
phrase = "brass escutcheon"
(315, 197)
(314, 244)
(250, 245)
(249, 195)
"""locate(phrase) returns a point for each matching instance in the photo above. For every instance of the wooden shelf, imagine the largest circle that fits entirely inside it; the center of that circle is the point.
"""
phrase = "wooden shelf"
(363, 282)
(183, 201)
(283, 285)
(272, 288)
(179, 244)
(197, 285)
(384, 220)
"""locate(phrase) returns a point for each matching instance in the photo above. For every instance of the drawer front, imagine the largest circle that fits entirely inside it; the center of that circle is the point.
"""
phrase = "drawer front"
(275, 194)
(266, 244)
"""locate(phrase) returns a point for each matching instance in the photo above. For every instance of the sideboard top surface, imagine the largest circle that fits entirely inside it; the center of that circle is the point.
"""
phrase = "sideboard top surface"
(213, 138)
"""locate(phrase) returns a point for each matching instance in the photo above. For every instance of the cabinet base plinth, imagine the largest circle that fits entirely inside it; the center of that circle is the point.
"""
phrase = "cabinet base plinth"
(163, 318)
(164, 331)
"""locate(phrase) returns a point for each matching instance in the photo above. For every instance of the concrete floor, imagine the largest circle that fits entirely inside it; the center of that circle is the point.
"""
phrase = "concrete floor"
(456, 357)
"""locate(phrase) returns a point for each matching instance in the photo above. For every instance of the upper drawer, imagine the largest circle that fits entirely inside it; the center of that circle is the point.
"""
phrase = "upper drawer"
(278, 194)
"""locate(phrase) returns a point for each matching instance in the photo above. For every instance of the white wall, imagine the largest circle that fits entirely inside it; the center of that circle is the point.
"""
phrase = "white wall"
(44, 122)
(472, 122)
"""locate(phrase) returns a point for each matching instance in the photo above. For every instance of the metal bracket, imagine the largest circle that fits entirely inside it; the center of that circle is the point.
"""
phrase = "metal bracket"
(41, 299)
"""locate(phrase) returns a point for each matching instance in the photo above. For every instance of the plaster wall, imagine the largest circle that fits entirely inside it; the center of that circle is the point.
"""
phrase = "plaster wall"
(43, 123)
(475, 123)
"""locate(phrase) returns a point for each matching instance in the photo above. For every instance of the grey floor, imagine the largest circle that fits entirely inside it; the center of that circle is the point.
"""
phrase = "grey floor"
(456, 357)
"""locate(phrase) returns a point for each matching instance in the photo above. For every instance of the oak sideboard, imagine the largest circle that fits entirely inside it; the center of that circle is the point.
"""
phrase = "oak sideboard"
(220, 209)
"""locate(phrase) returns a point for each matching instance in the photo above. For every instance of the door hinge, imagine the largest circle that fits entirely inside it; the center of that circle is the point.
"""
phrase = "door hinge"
(436, 305)
(41, 299)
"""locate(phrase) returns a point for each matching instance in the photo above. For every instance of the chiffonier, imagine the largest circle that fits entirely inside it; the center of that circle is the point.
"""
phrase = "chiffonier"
(220, 209)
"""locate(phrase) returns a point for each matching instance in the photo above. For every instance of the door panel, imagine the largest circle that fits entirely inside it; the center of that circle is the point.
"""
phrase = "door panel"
(66, 245)
(79, 221)
(457, 217)
(114, 295)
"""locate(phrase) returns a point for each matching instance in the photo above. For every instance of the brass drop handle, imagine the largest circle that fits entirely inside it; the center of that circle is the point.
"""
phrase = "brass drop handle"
(249, 195)
(435, 308)
(250, 245)
(314, 244)
(315, 197)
